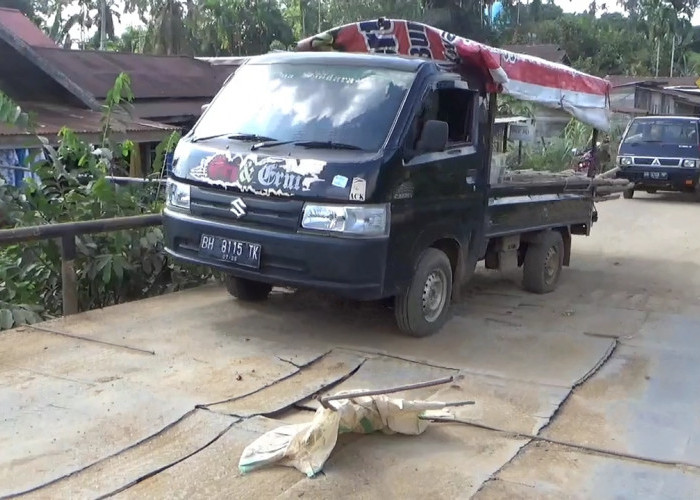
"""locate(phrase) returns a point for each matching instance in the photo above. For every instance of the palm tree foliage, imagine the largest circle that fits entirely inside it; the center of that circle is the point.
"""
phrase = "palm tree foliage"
(596, 40)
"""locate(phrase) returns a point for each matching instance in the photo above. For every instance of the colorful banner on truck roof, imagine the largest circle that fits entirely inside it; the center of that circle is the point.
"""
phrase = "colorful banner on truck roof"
(556, 86)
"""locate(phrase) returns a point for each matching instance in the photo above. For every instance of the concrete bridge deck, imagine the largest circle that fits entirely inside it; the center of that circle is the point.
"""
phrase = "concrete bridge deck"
(589, 392)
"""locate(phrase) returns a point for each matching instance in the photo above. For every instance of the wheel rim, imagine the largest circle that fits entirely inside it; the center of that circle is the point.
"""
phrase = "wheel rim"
(551, 264)
(434, 295)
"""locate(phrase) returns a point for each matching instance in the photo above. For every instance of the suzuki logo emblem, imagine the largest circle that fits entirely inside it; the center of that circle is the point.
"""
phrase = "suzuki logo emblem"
(656, 162)
(238, 207)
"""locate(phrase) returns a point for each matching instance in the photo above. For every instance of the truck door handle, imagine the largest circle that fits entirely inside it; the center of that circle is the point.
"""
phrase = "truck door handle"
(471, 183)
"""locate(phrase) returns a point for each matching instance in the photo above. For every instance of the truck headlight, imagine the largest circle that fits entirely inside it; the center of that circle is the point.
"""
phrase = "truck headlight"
(177, 195)
(625, 161)
(357, 220)
(689, 163)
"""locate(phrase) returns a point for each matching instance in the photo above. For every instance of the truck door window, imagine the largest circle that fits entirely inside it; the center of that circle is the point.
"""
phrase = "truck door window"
(456, 107)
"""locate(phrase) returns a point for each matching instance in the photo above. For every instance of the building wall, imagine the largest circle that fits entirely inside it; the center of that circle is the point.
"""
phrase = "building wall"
(657, 102)
(622, 97)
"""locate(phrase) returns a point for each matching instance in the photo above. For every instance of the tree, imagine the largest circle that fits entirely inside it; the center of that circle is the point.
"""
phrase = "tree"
(257, 24)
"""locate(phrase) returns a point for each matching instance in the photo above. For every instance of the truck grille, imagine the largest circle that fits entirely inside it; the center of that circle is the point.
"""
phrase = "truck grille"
(646, 161)
(259, 212)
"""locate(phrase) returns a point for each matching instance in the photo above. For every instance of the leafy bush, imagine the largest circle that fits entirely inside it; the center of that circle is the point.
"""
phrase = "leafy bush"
(555, 155)
(111, 267)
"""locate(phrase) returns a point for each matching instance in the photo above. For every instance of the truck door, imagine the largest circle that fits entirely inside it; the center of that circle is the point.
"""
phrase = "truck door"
(441, 196)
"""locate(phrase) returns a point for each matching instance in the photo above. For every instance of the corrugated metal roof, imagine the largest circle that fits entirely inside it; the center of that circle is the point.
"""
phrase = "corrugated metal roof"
(547, 51)
(152, 77)
(22, 27)
(624, 80)
(86, 123)
(166, 108)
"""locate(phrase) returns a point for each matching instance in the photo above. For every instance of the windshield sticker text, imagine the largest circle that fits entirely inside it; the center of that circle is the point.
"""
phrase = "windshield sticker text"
(358, 189)
(259, 175)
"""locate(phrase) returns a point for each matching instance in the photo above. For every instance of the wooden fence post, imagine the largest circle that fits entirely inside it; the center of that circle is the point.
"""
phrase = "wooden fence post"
(69, 281)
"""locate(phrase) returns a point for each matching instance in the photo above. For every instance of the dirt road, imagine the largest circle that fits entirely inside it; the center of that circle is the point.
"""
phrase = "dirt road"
(589, 392)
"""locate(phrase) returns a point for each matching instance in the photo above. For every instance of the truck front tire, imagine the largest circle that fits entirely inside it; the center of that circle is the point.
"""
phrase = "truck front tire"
(543, 263)
(247, 290)
(422, 308)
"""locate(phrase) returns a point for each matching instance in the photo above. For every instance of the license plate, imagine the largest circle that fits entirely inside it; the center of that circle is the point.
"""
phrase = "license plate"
(239, 252)
(656, 175)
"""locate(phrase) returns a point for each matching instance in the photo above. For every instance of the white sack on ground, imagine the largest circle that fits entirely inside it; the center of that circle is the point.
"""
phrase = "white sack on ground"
(307, 446)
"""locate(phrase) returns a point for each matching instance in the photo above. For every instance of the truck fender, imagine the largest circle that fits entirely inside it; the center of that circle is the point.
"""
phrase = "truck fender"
(449, 243)
(537, 236)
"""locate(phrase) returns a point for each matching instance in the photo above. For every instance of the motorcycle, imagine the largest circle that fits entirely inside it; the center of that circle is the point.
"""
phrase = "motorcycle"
(583, 161)
(589, 163)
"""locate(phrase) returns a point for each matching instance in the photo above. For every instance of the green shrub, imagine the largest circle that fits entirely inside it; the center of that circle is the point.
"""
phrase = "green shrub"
(111, 267)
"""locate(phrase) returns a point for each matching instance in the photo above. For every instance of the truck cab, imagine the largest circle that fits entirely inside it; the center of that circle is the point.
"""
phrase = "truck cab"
(660, 153)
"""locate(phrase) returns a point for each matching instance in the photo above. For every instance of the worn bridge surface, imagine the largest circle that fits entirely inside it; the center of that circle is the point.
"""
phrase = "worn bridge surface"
(591, 392)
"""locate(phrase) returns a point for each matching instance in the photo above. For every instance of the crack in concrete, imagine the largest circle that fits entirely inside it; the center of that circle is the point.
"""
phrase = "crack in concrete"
(113, 455)
(88, 339)
(51, 375)
(580, 447)
(450, 368)
(289, 361)
(595, 369)
(172, 464)
(313, 395)
(538, 437)
(494, 475)
(205, 406)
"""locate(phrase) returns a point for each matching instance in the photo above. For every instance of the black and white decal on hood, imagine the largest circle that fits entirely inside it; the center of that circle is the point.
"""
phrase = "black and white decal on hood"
(259, 174)
(276, 176)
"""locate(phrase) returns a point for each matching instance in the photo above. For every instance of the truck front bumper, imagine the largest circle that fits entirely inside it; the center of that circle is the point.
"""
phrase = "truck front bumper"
(662, 179)
(348, 267)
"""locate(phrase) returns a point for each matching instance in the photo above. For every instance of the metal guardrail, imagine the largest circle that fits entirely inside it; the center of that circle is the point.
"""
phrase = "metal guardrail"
(66, 232)
(133, 180)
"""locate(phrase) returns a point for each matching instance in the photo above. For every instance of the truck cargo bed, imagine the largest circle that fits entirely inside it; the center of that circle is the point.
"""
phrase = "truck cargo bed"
(530, 200)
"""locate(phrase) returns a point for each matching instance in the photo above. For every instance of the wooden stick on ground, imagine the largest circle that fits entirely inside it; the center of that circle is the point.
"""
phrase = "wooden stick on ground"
(375, 392)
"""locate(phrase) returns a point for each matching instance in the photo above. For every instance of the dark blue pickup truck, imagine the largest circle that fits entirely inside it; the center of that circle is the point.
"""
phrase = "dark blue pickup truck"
(661, 153)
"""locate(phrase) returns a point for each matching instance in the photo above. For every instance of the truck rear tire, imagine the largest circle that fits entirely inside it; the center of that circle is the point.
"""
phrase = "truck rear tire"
(422, 308)
(628, 194)
(247, 290)
(543, 263)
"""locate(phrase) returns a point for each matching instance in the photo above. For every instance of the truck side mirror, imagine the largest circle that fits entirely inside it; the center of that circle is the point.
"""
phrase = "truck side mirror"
(433, 138)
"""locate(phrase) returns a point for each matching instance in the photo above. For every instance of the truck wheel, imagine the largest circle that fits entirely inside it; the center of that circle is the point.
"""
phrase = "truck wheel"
(247, 290)
(543, 263)
(628, 194)
(422, 308)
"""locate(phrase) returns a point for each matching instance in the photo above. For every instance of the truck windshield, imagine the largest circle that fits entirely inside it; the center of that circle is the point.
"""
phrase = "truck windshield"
(351, 105)
(663, 130)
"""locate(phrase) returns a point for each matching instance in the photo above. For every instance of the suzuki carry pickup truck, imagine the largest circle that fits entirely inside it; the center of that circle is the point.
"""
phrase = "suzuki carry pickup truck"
(366, 176)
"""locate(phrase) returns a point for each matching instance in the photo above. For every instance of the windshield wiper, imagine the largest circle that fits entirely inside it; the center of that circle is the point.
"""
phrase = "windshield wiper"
(237, 137)
(206, 137)
(326, 145)
(268, 144)
(251, 137)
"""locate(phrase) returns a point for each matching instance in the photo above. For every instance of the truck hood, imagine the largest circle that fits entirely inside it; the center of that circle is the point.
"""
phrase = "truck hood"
(659, 150)
(330, 174)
